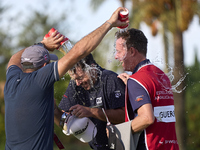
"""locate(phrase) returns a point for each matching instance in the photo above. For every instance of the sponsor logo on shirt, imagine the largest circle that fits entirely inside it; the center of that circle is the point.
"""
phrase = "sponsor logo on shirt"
(139, 98)
(171, 142)
(168, 142)
(117, 94)
(164, 95)
(65, 96)
(99, 100)
(160, 142)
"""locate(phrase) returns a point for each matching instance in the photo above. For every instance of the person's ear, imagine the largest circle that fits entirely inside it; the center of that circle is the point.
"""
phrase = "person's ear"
(133, 51)
(44, 64)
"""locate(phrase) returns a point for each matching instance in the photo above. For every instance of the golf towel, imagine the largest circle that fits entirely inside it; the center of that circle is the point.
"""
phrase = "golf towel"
(124, 133)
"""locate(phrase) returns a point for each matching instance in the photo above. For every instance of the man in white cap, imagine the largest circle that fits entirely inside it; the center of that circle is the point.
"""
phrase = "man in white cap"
(29, 88)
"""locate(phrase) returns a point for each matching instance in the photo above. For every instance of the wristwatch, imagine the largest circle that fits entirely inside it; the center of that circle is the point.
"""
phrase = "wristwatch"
(39, 44)
(62, 119)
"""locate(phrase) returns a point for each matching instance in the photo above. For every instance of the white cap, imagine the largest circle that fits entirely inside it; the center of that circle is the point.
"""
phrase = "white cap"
(82, 128)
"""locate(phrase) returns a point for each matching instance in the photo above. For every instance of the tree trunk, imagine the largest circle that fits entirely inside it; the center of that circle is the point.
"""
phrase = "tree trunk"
(179, 98)
(166, 47)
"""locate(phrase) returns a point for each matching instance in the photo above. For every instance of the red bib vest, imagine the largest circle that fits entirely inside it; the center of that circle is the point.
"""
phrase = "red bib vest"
(161, 135)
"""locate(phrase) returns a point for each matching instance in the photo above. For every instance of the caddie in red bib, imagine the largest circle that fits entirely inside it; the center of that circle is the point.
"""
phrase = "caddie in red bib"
(153, 86)
(149, 102)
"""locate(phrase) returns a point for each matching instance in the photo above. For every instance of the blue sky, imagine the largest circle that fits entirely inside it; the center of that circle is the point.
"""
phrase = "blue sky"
(83, 20)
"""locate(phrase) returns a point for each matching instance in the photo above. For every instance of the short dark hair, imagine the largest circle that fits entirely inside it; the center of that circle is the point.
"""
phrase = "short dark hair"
(88, 60)
(134, 38)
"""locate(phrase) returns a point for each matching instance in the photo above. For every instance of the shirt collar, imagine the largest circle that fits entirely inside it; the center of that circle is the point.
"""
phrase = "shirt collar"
(141, 64)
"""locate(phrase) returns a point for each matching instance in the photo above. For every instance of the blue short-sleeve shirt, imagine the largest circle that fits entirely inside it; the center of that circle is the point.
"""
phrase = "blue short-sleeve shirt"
(29, 102)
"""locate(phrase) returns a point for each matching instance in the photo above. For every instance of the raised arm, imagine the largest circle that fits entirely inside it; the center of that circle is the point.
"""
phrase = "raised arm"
(87, 44)
(16, 59)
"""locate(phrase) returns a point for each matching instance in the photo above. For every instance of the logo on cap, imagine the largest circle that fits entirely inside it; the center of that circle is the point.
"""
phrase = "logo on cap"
(27, 59)
(82, 130)
(45, 57)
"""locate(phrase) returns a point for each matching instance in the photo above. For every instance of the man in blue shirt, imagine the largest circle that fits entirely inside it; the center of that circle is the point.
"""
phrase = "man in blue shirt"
(28, 92)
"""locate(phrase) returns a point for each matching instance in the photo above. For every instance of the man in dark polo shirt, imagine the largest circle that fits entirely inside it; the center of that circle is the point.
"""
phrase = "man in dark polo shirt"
(92, 88)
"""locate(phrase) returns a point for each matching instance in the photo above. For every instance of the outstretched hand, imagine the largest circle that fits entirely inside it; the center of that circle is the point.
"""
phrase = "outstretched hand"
(53, 42)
